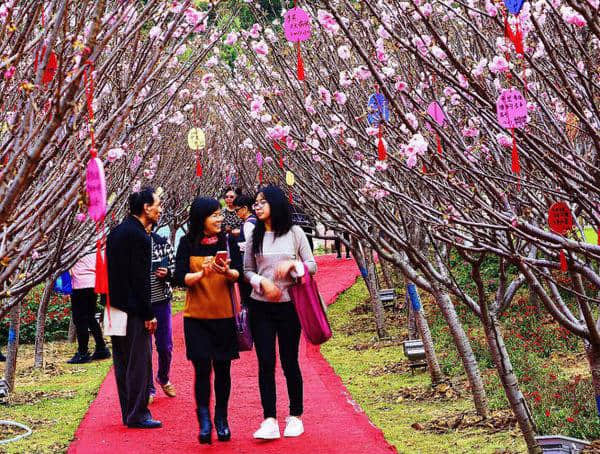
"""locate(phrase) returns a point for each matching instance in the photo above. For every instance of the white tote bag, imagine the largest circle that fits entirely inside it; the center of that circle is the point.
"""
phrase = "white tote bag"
(117, 325)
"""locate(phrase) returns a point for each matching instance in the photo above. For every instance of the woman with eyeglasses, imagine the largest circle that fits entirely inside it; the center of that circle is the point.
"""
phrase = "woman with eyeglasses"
(208, 323)
(231, 222)
(275, 255)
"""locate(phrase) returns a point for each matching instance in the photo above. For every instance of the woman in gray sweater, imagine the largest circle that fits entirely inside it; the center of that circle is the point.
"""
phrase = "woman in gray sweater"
(274, 258)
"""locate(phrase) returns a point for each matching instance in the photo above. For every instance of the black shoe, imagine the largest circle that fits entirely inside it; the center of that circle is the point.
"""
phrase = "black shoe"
(80, 358)
(101, 354)
(147, 424)
(205, 425)
(222, 428)
(2, 358)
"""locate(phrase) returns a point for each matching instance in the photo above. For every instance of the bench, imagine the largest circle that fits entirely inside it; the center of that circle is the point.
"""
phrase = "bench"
(560, 444)
(415, 353)
(387, 297)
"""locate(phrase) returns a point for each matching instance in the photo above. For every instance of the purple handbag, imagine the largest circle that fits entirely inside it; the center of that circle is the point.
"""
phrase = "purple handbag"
(310, 309)
(240, 315)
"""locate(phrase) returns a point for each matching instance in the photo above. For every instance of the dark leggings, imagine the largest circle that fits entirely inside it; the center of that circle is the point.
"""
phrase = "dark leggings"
(203, 368)
(83, 310)
(338, 245)
(269, 322)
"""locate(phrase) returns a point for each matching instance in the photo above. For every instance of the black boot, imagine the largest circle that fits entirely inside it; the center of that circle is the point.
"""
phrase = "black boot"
(222, 426)
(205, 425)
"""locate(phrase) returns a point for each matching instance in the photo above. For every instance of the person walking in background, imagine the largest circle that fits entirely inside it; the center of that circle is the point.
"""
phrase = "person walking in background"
(306, 223)
(2, 357)
(83, 311)
(231, 222)
(243, 208)
(275, 255)
(209, 327)
(162, 272)
(338, 245)
(129, 259)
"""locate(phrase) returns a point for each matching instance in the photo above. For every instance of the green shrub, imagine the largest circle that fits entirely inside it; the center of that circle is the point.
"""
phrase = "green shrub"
(57, 320)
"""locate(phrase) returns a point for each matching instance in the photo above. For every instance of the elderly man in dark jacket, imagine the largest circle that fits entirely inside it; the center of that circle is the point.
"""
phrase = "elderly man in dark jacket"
(128, 252)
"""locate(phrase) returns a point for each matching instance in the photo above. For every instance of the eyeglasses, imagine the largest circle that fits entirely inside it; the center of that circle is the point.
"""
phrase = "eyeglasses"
(259, 204)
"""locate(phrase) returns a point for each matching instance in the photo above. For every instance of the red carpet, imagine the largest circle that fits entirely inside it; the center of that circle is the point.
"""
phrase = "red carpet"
(333, 421)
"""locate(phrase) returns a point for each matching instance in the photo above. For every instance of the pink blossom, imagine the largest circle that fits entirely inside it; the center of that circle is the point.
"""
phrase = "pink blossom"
(231, 38)
(345, 80)
(570, 16)
(470, 132)
(325, 96)
(278, 132)
(260, 47)
(154, 32)
(255, 31)
(344, 52)
(340, 97)
(362, 73)
(308, 105)
(401, 85)
(504, 140)
(192, 16)
(115, 154)
(9, 72)
(328, 22)
(480, 67)
(81, 217)
(498, 64)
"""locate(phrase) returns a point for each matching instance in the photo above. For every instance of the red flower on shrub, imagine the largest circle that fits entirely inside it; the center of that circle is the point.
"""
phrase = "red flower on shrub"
(547, 413)
(570, 419)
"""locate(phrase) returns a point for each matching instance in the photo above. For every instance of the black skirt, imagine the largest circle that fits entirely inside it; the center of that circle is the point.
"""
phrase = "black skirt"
(210, 339)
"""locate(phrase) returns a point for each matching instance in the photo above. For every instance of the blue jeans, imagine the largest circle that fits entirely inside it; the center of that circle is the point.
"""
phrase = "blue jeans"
(163, 337)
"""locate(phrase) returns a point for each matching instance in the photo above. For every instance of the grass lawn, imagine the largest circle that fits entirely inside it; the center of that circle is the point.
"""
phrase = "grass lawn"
(376, 372)
(53, 401)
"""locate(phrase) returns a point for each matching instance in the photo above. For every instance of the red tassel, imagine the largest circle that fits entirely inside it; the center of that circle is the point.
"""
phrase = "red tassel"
(439, 143)
(508, 33)
(101, 286)
(300, 64)
(276, 145)
(423, 169)
(260, 176)
(563, 261)
(291, 198)
(281, 160)
(381, 151)
(198, 167)
(518, 41)
(516, 165)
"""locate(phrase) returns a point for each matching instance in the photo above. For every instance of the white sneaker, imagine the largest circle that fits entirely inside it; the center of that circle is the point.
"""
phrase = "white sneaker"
(269, 430)
(293, 427)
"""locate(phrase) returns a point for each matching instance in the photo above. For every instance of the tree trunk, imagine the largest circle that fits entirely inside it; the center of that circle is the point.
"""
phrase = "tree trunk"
(13, 345)
(72, 336)
(593, 356)
(432, 363)
(411, 321)
(366, 265)
(465, 352)
(509, 379)
(40, 326)
(173, 233)
(385, 272)
(376, 303)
